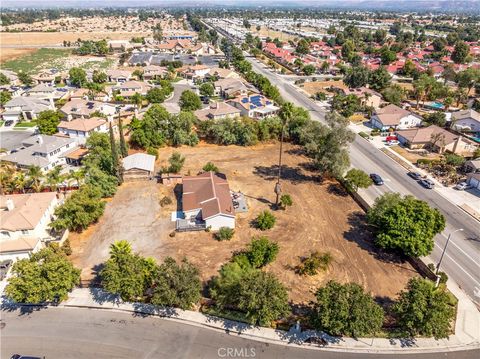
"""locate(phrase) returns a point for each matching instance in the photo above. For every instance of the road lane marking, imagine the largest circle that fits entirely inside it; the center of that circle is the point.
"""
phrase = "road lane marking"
(458, 265)
(461, 250)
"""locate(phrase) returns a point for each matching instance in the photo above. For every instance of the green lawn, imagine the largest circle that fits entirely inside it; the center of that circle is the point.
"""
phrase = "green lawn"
(32, 62)
(26, 124)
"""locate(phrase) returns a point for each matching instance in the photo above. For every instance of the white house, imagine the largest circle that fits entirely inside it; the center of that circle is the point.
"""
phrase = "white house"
(81, 128)
(466, 121)
(80, 108)
(43, 151)
(395, 117)
(206, 199)
(27, 108)
(254, 106)
(24, 225)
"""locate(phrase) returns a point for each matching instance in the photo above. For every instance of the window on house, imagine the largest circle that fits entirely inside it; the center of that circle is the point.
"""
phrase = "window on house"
(24, 231)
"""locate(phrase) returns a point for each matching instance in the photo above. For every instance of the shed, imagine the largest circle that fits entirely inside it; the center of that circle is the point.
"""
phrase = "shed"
(139, 166)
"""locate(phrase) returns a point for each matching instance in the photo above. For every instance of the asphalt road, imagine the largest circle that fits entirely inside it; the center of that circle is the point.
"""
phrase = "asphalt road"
(462, 260)
(88, 333)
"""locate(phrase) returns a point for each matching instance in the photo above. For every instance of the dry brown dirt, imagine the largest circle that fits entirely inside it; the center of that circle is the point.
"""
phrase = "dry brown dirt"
(323, 218)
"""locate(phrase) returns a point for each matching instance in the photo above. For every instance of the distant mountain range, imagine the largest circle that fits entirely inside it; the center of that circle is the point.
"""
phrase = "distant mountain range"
(466, 6)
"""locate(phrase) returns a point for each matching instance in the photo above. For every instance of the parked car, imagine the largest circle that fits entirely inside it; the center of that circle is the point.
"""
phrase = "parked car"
(376, 179)
(427, 183)
(18, 356)
(4, 267)
(462, 186)
(8, 123)
(415, 175)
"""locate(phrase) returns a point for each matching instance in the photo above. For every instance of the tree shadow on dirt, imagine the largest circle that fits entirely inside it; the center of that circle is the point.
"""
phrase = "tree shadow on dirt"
(294, 175)
(362, 235)
(337, 190)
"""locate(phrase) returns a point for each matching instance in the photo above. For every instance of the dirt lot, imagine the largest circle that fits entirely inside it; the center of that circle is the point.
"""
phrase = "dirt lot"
(321, 86)
(322, 218)
(24, 39)
(414, 156)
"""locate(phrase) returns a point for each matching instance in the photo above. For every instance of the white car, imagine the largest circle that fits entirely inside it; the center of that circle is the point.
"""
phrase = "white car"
(462, 186)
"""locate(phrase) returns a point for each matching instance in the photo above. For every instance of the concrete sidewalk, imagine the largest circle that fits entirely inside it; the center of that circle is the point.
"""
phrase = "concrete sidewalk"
(467, 326)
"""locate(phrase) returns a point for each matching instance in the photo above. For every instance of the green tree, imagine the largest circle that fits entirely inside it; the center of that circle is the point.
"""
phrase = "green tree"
(4, 80)
(189, 101)
(81, 209)
(259, 295)
(25, 78)
(357, 76)
(303, 47)
(468, 78)
(210, 167)
(436, 118)
(460, 52)
(176, 162)
(114, 154)
(286, 201)
(388, 56)
(265, 220)
(405, 224)
(346, 105)
(424, 310)
(43, 277)
(261, 251)
(356, 179)
(176, 285)
(48, 121)
(345, 309)
(225, 234)
(327, 146)
(126, 273)
(155, 95)
(123, 143)
(99, 77)
(78, 76)
(394, 94)
(206, 89)
(5, 96)
(379, 79)
(309, 70)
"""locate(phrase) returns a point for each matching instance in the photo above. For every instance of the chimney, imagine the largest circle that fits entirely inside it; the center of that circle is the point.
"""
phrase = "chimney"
(10, 205)
(39, 139)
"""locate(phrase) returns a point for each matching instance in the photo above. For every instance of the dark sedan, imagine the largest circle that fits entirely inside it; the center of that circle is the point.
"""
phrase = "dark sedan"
(376, 179)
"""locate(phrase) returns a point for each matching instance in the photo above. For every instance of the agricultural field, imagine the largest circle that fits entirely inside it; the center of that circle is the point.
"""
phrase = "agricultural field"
(323, 218)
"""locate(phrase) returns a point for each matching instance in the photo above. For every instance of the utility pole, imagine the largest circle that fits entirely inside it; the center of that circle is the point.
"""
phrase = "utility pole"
(443, 253)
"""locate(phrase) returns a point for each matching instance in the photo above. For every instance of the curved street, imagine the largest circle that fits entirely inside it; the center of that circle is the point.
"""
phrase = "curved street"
(89, 333)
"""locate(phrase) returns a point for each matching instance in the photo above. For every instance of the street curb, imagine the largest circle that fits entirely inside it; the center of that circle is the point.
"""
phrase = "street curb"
(246, 335)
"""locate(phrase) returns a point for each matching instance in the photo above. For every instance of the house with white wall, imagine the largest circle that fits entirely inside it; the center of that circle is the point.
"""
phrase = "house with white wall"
(82, 128)
(206, 198)
(25, 223)
(395, 117)
(43, 151)
(26, 108)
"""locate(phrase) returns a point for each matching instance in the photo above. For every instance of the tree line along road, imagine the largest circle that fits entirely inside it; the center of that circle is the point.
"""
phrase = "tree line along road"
(88, 333)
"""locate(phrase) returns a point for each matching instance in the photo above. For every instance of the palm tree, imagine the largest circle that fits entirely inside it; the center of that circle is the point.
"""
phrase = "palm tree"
(286, 114)
(120, 248)
(35, 175)
(54, 178)
(20, 182)
(78, 176)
